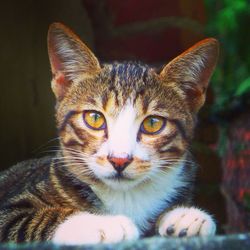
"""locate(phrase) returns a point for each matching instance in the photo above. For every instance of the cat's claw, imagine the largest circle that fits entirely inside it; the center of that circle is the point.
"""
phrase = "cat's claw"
(185, 222)
(85, 228)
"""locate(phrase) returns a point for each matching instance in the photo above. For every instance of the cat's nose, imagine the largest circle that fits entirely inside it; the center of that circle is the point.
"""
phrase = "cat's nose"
(120, 163)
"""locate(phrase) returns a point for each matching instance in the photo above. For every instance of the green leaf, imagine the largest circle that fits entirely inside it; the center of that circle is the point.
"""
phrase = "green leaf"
(246, 200)
(244, 87)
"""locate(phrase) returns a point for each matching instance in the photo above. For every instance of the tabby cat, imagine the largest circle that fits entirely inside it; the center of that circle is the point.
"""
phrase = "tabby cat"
(123, 170)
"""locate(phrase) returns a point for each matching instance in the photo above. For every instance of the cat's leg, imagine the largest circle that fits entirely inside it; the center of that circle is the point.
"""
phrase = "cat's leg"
(21, 222)
(65, 226)
(186, 221)
(85, 228)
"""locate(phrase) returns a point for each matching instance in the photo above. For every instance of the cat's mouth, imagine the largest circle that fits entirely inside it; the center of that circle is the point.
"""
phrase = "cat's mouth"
(120, 181)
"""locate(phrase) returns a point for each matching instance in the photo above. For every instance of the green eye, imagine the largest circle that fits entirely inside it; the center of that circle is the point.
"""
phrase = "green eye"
(153, 125)
(94, 120)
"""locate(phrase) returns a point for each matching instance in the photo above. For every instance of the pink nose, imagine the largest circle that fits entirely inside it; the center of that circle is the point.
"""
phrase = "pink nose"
(119, 163)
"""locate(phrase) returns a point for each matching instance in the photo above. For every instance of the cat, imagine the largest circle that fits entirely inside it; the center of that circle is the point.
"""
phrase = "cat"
(123, 169)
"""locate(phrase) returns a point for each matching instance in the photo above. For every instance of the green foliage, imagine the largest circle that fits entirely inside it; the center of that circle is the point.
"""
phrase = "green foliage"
(246, 201)
(243, 88)
(229, 21)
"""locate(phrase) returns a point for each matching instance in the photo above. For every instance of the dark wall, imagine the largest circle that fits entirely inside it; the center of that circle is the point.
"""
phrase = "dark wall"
(26, 101)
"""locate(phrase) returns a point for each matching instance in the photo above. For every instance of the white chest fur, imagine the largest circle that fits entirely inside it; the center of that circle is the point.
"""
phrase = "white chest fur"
(145, 201)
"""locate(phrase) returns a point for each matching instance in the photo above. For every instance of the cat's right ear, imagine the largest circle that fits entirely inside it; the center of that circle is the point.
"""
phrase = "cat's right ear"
(70, 58)
(192, 70)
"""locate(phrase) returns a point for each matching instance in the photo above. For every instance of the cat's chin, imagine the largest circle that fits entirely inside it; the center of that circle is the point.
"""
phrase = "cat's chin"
(122, 183)
(120, 177)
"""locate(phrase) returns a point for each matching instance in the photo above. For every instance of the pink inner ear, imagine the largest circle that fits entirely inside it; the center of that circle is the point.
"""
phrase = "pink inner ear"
(59, 82)
(56, 64)
(59, 78)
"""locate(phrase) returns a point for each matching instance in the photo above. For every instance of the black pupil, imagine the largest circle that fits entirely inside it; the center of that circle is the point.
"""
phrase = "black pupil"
(153, 121)
(95, 116)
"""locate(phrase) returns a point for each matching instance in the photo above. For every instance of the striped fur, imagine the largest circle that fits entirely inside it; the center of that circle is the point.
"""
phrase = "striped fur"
(40, 198)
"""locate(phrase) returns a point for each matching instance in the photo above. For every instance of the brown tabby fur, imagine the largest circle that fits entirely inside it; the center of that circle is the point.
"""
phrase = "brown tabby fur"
(36, 196)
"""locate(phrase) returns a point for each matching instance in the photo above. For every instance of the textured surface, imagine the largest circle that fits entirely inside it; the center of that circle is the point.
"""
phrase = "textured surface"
(240, 241)
(236, 166)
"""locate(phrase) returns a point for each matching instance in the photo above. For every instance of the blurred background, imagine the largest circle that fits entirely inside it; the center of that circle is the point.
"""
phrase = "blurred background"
(153, 31)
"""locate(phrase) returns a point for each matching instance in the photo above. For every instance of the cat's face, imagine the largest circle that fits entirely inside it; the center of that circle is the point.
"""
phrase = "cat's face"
(124, 112)
(123, 124)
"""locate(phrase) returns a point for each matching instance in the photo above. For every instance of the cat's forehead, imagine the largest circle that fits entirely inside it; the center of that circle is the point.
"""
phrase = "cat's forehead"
(130, 80)
(138, 85)
(128, 75)
(132, 83)
(121, 83)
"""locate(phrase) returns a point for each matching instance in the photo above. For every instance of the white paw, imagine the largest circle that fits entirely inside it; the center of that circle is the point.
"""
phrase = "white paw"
(183, 221)
(85, 228)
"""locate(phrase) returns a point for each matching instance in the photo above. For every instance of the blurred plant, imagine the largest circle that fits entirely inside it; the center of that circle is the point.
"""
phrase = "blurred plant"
(246, 201)
(229, 21)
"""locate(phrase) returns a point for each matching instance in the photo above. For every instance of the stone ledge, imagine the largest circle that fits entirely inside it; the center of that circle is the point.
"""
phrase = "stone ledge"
(237, 241)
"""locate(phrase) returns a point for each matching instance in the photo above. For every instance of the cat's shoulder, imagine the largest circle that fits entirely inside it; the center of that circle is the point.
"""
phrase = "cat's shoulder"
(24, 172)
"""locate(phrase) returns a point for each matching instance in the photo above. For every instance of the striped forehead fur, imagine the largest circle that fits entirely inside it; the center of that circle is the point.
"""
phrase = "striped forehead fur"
(128, 74)
(128, 79)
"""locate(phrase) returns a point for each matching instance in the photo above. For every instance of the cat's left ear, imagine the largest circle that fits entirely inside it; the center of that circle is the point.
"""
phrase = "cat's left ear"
(70, 58)
(191, 71)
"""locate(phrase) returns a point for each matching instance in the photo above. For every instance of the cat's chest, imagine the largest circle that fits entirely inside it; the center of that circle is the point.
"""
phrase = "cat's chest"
(143, 204)
(139, 206)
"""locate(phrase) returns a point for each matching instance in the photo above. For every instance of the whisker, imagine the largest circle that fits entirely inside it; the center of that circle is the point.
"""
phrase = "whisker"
(175, 159)
(69, 158)
(45, 144)
(72, 162)
(75, 164)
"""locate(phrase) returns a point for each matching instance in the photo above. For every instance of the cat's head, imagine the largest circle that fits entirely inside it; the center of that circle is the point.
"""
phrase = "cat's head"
(121, 124)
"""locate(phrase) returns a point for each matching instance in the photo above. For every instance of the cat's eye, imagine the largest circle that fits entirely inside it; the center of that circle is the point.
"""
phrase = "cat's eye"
(153, 125)
(94, 119)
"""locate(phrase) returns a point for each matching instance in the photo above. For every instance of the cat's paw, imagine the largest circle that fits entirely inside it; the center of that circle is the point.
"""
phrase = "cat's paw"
(85, 228)
(184, 221)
